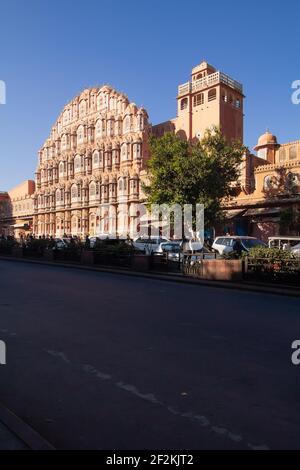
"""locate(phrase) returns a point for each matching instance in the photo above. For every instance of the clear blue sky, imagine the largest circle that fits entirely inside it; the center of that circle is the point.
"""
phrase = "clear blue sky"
(51, 50)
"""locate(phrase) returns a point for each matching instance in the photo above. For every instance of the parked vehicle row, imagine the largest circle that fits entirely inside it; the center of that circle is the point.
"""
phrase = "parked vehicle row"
(175, 249)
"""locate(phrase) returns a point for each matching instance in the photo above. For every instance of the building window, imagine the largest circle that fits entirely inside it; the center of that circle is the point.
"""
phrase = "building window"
(98, 128)
(140, 122)
(282, 154)
(237, 103)
(92, 189)
(96, 159)
(127, 124)
(61, 168)
(80, 134)
(199, 99)
(293, 153)
(74, 192)
(124, 151)
(82, 108)
(64, 142)
(183, 103)
(77, 163)
(212, 94)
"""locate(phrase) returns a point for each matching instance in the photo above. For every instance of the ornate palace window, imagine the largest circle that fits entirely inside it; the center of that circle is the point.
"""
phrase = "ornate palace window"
(77, 163)
(61, 169)
(98, 128)
(64, 142)
(74, 192)
(92, 190)
(80, 134)
(96, 160)
(82, 108)
(293, 152)
(199, 99)
(110, 127)
(127, 122)
(124, 152)
(66, 117)
(212, 94)
(183, 103)
(100, 102)
(140, 122)
(282, 155)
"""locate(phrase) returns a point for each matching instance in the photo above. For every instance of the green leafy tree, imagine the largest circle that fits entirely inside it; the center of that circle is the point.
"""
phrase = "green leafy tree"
(201, 172)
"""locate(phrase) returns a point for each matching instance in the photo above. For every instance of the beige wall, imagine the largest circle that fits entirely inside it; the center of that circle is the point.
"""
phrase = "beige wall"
(21, 198)
(211, 98)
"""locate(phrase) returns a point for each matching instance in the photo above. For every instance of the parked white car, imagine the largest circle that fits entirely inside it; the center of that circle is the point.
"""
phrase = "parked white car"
(284, 242)
(173, 250)
(224, 245)
(149, 244)
(296, 249)
(60, 244)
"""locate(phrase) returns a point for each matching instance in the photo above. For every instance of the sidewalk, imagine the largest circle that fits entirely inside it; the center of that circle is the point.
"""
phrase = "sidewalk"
(15, 434)
(9, 441)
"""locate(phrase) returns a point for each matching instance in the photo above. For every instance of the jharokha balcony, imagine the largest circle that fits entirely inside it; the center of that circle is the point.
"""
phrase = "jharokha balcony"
(208, 81)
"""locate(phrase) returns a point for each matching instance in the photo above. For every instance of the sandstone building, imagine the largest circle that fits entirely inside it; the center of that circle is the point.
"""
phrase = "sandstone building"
(16, 209)
(268, 195)
(89, 169)
(210, 98)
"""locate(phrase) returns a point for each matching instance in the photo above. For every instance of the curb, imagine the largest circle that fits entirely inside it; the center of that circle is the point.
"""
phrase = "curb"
(23, 431)
(258, 288)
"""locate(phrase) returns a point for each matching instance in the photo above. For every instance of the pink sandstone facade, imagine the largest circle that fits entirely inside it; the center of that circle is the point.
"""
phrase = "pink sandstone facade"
(90, 168)
(269, 188)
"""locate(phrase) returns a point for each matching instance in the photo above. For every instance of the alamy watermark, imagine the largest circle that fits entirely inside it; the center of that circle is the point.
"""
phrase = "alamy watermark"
(295, 358)
(2, 92)
(2, 353)
(296, 94)
(170, 221)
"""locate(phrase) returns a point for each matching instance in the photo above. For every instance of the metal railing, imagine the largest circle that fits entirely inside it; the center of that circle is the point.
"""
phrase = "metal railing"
(208, 81)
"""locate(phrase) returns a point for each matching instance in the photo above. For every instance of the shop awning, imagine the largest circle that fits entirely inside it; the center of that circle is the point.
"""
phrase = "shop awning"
(262, 211)
(25, 226)
(230, 214)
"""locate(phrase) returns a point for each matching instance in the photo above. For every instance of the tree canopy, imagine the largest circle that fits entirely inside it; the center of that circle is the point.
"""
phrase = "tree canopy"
(202, 172)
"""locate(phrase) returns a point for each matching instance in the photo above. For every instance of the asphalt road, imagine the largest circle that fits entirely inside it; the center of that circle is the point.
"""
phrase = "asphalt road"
(102, 361)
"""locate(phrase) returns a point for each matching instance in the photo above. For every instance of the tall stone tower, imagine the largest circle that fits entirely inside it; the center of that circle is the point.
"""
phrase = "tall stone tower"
(210, 98)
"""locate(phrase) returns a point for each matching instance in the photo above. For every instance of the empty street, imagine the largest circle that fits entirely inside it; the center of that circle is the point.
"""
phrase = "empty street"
(105, 361)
